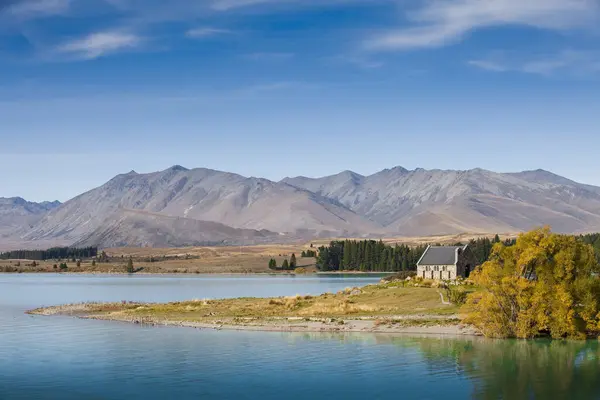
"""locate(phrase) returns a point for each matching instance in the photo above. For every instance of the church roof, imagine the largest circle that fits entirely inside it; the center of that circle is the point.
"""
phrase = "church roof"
(440, 255)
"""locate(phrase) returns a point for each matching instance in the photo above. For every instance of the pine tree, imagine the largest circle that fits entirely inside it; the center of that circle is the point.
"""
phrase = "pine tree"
(285, 265)
(354, 254)
(347, 257)
(293, 262)
(366, 265)
(323, 259)
(130, 269)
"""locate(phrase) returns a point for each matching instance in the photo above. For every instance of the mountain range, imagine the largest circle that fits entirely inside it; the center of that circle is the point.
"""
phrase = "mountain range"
(17, 214)
(178, 207)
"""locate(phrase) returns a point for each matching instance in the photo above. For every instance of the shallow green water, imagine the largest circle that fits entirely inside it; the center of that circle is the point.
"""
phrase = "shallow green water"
(66, 358)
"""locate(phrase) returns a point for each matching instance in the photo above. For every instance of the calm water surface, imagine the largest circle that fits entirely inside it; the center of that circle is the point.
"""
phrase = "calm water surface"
(66, 358)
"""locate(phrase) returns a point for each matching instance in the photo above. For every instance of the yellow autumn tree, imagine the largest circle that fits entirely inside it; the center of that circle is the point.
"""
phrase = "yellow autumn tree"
(544, 284)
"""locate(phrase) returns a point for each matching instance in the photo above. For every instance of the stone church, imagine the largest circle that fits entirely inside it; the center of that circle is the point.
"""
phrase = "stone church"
(445, 262)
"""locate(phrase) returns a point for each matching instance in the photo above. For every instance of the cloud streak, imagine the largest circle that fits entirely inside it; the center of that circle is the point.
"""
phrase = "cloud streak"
(198, 33)
(442, 22)
(38, 8)
(577, 63)
(99, 44)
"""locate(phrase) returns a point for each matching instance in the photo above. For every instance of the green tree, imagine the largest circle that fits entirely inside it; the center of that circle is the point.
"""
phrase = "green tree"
(130, 268)
(293, 262)
(272, 263)
(285, 265)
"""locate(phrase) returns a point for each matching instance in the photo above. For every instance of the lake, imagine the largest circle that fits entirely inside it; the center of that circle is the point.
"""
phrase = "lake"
(67, 358)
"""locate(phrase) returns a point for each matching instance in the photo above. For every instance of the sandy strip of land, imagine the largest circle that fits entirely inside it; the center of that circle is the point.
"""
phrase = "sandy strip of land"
(406, 324)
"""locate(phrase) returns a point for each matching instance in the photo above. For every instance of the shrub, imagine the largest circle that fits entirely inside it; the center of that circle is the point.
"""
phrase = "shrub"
(63, 266)
(456, 295)
(276, 302)
(427, 283)
(402, 275)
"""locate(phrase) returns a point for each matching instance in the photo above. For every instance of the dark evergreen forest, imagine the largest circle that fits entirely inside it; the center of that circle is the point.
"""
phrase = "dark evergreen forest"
(56, 253)
(371, 255)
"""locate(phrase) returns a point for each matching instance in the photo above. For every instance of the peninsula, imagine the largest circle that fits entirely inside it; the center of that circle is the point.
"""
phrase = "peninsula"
(391, 307)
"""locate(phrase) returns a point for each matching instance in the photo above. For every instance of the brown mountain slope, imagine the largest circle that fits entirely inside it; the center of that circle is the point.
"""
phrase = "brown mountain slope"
(17, 214)
(199, 195)
(144, 229)
(423, 202)
(181, 207)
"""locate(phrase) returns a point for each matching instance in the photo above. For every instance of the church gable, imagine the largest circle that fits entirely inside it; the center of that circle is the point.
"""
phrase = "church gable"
(444, 263)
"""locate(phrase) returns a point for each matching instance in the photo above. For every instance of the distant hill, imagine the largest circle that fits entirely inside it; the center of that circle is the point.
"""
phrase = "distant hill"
(177, 207)
(131, 228)
(18, 215)
(426, 202)
(194, 196)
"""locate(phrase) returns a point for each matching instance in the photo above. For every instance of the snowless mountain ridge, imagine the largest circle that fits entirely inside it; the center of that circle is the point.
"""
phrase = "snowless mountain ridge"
(179, 206)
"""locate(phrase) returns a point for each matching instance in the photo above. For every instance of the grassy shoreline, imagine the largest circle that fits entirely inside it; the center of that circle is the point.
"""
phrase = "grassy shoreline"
(385, 308)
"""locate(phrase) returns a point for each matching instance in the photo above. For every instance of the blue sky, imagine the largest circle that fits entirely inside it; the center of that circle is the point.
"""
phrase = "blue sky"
(93, 88)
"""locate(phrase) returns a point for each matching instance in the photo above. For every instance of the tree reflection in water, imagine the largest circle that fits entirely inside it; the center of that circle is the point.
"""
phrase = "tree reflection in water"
(503, 368)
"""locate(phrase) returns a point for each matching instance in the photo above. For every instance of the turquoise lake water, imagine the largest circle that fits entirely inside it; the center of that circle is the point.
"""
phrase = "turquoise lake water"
(67, 358)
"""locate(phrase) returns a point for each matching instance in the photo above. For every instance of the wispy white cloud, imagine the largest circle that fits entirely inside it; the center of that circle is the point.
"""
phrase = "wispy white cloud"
(567, 62)
(38, 8)
(441, 22)
(99, 44)
(224, 5)
(203, 32)
(227, 5)
(139, 18)
(489, 65)
(273, 87)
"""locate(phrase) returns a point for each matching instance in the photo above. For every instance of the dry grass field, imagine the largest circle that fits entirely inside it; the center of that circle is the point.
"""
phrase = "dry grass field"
(382, 307)
(192, 260)
(423, 240)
